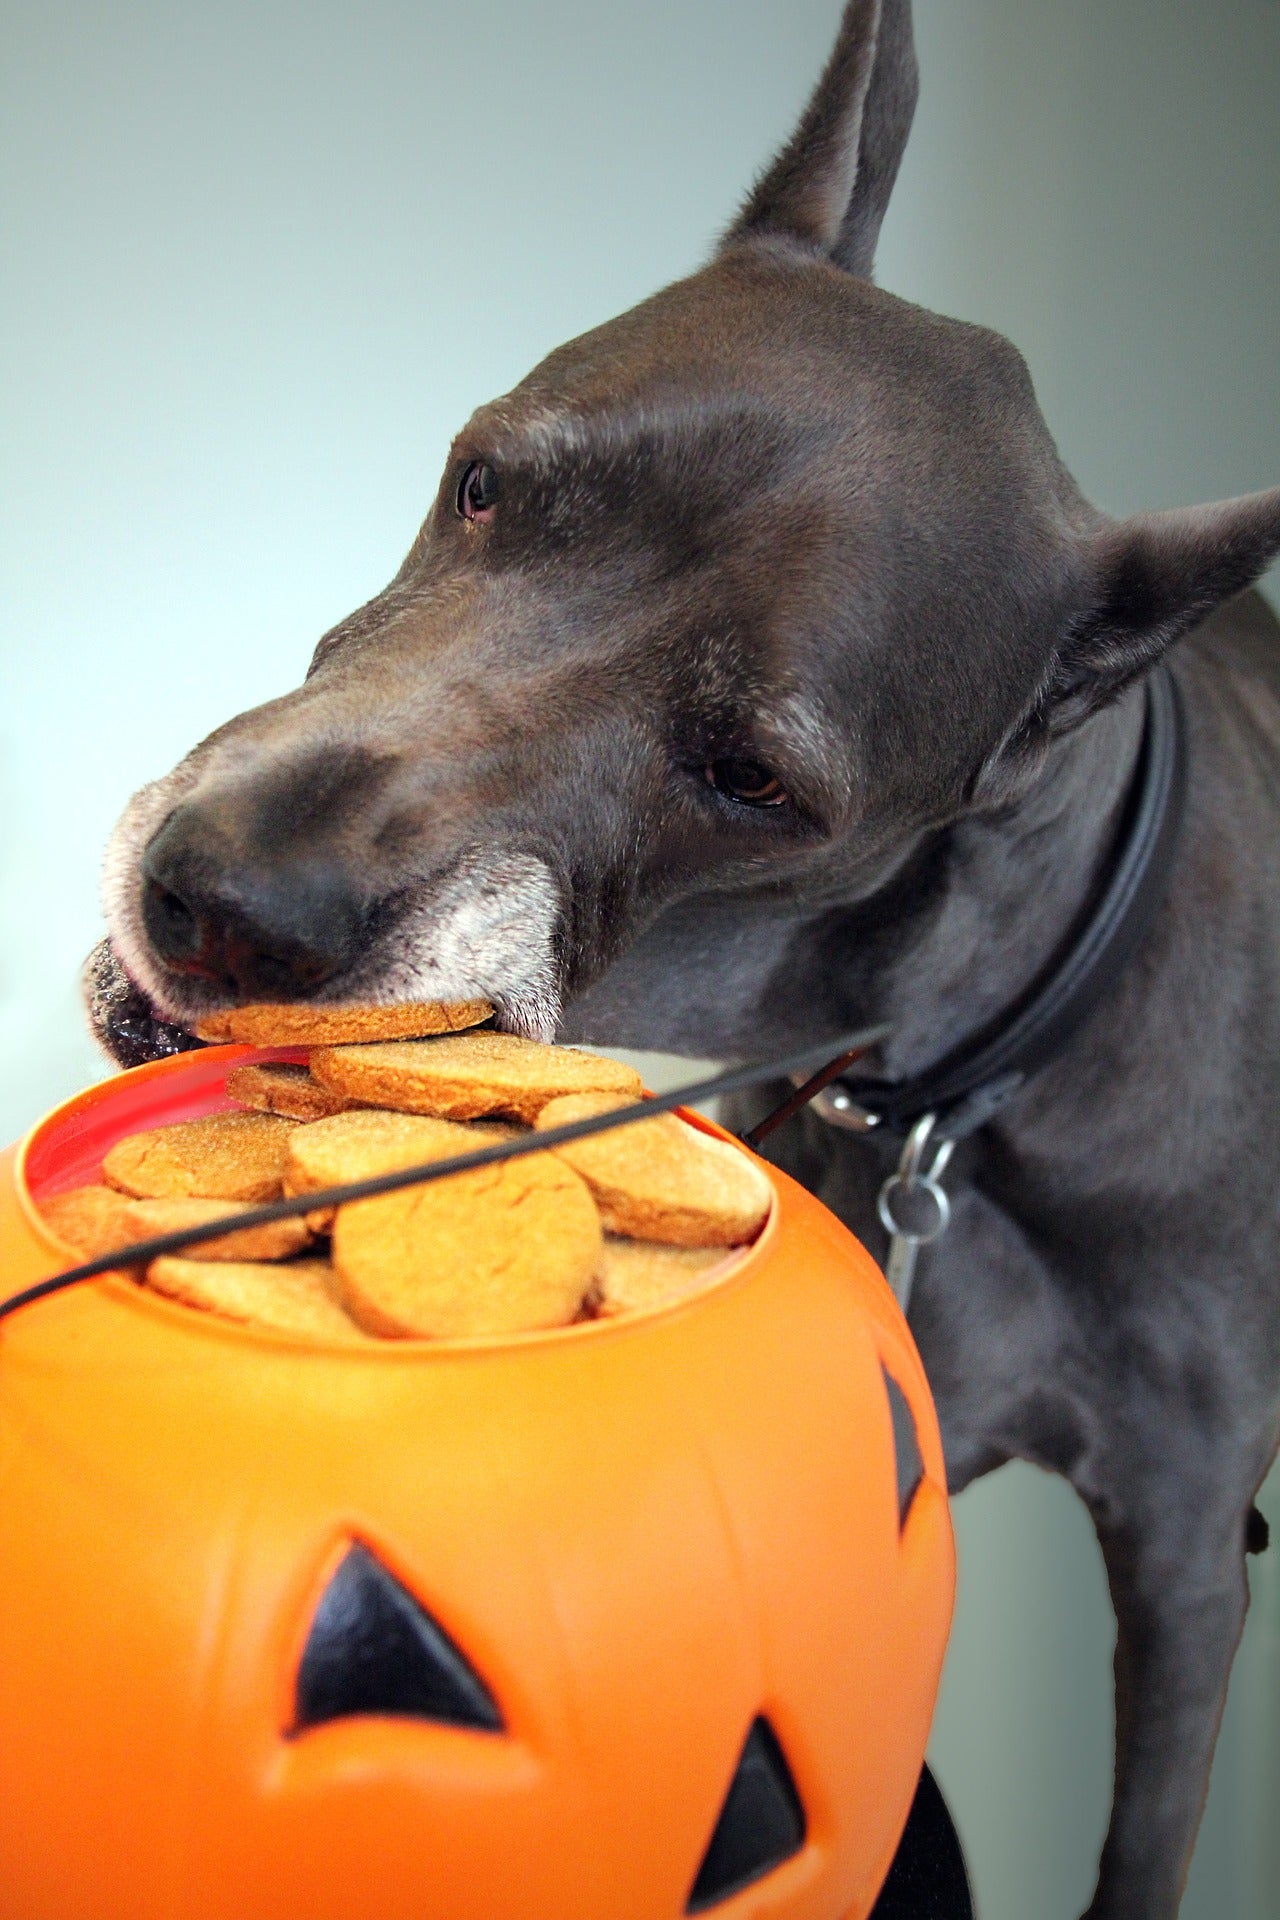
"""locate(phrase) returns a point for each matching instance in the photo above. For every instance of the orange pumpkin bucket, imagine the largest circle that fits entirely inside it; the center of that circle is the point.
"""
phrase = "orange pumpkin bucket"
(634, 1619)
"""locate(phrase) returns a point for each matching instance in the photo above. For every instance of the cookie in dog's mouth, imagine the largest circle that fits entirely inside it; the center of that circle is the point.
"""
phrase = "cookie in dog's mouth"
(133, 1030)
(486, 926)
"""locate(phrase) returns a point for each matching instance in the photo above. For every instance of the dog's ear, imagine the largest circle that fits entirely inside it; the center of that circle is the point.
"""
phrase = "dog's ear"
(829, 187)
(1144, 583)
(1151, 579)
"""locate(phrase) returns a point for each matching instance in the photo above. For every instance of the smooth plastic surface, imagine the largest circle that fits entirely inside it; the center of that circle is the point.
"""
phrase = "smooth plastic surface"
(643, 1534)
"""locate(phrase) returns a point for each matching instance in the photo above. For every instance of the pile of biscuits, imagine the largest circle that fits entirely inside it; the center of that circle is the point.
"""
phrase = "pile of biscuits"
(606, 1225)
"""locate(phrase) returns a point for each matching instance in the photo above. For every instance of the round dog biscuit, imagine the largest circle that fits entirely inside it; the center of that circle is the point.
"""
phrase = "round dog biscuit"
(295, 1298)
(368, 1140)
(662, 1179)
(278, 1240)
(90, 1220)
(306, 1025)
(281, 1086)
(470, 1075)
(214, 1027)
(635, 1274)
(225, 1156)
(507, 1249)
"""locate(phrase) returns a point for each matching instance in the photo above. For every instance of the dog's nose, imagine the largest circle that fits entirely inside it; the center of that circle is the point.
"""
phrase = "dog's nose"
(273, 931)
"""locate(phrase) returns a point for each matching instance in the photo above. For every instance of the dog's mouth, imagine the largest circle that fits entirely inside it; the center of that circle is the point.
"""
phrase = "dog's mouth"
(485, 931)
(483, 925)
(132, 1030)
(124, 1019)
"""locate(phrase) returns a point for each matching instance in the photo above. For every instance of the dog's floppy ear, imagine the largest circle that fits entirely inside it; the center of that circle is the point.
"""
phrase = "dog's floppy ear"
(1152, 579)
(830, 185)
(1144, 583)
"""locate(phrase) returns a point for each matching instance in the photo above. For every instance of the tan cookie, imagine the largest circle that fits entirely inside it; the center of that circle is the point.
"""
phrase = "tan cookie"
(89, 1220)
(283, 1087)
(321, 1220)
(662, 1179)
(295, 1298)
(369, 1140)
(215, 1028)
(506, 1249)
(225, 1156)
(635, 1274)
(470, 1075)
(311, 1026)
(279, 1240)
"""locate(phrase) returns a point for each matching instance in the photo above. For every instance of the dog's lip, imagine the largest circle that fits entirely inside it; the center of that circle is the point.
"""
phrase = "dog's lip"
(135, 1036)
(166, 1023)
(141, 1011)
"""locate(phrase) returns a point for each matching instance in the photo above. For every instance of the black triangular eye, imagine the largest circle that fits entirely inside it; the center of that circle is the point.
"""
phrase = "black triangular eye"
(373, 1649)
(760, 1826)
(906, 1446)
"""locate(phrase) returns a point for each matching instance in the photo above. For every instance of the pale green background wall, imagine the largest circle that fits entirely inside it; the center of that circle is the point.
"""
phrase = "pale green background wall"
(260, 260)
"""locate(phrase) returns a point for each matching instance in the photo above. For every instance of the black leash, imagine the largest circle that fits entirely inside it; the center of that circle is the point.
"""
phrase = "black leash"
(972, 1082)
(139, 1252)
(933, 1110)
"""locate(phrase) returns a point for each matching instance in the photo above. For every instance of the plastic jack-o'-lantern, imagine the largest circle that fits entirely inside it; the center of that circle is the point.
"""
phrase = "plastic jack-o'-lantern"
(627, 1621)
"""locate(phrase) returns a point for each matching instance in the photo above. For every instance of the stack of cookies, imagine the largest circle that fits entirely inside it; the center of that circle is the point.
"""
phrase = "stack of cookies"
(602, 1226)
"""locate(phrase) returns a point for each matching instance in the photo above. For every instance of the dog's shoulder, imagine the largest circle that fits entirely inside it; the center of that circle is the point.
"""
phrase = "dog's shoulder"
(1244, 636)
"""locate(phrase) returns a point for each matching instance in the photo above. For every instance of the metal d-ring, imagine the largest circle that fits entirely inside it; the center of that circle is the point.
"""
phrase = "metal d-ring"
(910, 1182)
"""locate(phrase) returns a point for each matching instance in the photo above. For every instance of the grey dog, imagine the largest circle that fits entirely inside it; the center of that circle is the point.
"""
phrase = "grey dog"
(759, 670)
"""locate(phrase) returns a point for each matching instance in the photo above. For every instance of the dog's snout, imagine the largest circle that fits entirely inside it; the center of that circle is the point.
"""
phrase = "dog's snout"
(278, 930)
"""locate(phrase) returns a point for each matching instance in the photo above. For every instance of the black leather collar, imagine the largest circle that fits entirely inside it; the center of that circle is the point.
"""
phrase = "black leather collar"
(974, 1080)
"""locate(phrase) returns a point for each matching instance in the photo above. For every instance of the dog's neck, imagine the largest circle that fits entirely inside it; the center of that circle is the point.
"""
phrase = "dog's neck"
(1015, 886)
(1000, 894)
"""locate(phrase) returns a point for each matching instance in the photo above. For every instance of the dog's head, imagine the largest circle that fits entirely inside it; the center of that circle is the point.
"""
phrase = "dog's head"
(720, 611)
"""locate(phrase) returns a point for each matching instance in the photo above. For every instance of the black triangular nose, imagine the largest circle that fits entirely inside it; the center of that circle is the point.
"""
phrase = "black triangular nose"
(374, 1649)
(761, 1823)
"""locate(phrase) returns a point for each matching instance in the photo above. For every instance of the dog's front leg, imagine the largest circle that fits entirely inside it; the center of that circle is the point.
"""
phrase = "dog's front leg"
(1173, 1544)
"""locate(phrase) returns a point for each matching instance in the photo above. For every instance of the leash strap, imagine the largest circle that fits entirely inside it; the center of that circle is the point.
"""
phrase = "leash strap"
(970, 1084)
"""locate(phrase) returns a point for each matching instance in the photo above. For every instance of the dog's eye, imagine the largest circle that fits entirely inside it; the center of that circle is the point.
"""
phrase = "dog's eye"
(478, 492)
(746, 781)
